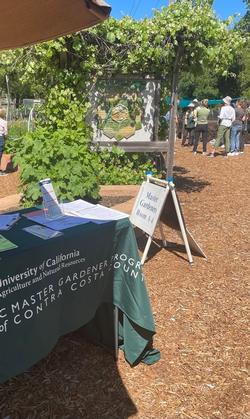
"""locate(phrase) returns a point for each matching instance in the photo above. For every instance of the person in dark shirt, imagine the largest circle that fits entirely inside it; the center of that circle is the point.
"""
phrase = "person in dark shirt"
(190, 123)
(236, 129)
(245, 125)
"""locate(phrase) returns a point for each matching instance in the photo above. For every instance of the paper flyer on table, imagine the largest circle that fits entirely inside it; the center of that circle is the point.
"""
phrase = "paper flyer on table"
(100, 214)
(7, 220)
(5, 244)
(67, 221)
(77, 207)
(77, 213)
(50, 202)
(42, 232)
(91, 212)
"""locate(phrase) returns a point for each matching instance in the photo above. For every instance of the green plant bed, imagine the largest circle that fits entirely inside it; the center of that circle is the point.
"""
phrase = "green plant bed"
(17, 129)
(120, 168)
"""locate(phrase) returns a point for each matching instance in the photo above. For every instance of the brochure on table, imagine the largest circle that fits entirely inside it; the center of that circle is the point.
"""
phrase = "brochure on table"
(42, 232)
(6, 244)
(51, 206)
(77, 213)
(7, 220)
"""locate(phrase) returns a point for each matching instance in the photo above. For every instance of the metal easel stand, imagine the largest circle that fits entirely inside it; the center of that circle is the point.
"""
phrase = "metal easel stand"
(149, 241)
(181, 223)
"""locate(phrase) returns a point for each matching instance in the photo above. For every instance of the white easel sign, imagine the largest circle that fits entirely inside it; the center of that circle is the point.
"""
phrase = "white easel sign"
(148, 207)
(151, 205)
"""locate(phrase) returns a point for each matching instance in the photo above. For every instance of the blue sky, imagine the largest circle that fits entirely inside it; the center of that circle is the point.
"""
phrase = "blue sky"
(143, 8)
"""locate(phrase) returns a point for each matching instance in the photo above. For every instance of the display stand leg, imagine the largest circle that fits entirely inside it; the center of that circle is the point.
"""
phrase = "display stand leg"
(146, 250)
(164, 242)
(182, 226)
(116, 332)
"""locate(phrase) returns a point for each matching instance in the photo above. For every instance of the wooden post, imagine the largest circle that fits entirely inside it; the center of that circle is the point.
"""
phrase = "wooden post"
(8, 112)
(183, 126)
(173, 114)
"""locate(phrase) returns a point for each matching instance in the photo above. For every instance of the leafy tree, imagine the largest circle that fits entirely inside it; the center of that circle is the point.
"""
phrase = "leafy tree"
(132, 47)
(244, 23)
(244, 61)
(204, 86)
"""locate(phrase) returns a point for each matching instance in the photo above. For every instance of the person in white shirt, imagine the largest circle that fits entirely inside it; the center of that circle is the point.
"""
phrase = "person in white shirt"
(226, 118)
(3, 133)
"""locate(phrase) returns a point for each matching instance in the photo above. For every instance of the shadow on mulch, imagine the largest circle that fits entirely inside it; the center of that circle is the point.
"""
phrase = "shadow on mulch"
(76, 380)
(188, 184)
(10, 168)
(178, 249)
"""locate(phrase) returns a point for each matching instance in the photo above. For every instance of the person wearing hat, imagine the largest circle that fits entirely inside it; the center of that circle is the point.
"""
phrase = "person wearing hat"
(226, 118)
(190, 123)
(202, 113)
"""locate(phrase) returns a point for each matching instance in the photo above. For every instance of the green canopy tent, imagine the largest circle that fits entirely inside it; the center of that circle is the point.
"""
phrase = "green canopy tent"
(184, 102)
(27, 22)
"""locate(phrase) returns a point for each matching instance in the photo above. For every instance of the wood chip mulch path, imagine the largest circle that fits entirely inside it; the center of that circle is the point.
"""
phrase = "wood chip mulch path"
(9, 184)
(201, 315)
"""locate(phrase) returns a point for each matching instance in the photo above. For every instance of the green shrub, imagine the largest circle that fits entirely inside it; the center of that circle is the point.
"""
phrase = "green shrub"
(64, 156)
(16, 130)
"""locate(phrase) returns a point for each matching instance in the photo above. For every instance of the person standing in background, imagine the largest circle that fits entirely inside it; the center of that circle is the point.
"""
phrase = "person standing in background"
(201, 115)
(167, 118)
(190, 122)
(245, 124)
(195, 102)
(3, 133)
(226, 118)
(236, 129)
